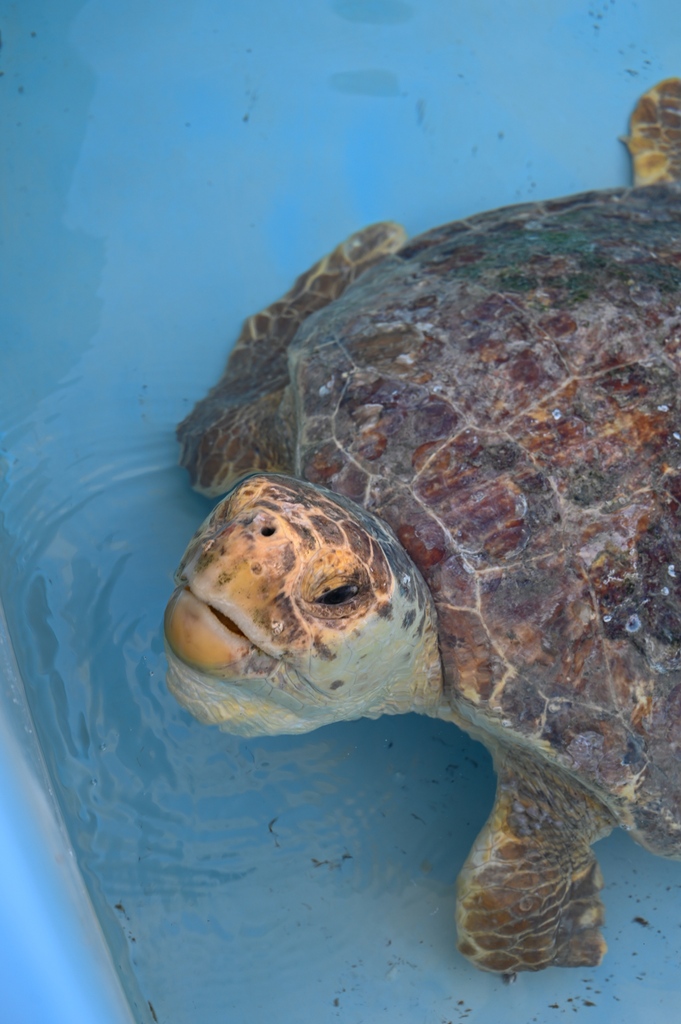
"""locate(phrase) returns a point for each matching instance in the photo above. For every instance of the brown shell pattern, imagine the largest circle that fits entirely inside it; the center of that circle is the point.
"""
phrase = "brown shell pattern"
(505, 393)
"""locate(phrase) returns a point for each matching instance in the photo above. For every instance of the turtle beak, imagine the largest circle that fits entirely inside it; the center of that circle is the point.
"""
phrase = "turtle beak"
(202, 636)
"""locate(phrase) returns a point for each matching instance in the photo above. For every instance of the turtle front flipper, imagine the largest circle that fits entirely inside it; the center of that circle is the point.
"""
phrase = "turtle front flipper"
(528, 894)
(246, 422)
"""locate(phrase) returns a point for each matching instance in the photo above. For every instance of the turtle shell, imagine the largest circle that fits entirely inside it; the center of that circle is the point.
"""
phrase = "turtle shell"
(505, 393)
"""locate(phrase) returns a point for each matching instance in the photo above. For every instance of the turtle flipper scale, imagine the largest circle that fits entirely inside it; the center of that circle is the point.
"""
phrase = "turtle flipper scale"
(655, 140)
(246, 422)
(528, 894)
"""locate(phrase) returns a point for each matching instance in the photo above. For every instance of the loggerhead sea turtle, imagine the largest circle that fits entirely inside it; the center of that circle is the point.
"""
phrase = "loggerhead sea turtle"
(465, 500)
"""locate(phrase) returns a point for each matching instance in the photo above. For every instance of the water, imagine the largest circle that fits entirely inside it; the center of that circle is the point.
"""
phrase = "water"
(172, 170)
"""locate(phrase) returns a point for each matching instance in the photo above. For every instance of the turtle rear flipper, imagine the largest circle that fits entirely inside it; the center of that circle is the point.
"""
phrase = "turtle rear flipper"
(246, 421)
(528, 894)
(655, 140)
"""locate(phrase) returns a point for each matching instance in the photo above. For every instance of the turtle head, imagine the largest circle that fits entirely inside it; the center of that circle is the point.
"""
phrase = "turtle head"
(295, 608)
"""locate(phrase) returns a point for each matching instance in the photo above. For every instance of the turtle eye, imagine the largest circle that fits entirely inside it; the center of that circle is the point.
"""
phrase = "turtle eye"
(336, 585)
(339, 595)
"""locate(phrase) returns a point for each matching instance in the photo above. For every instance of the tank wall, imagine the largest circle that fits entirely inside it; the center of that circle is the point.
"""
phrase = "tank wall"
(168, 169)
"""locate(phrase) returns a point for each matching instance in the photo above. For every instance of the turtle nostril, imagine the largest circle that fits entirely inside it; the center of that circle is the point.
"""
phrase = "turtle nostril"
(267, 531)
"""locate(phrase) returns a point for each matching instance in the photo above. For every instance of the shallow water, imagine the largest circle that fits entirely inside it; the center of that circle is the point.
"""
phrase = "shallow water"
(273, 878)
(256, 876)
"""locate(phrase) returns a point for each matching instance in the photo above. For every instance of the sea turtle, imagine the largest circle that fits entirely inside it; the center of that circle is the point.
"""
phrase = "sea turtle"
(464, 499)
